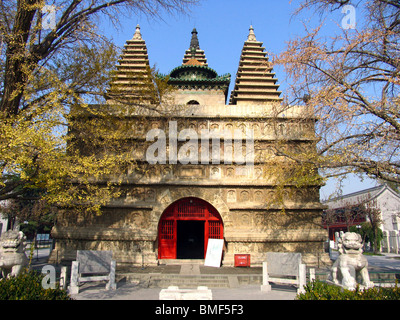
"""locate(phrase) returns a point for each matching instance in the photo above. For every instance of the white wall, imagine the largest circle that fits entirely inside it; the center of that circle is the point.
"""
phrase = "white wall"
(389, 204)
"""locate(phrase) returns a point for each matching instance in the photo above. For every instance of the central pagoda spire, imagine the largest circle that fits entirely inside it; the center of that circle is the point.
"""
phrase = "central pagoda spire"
(194, 54)
(194, 43)
(196, 78)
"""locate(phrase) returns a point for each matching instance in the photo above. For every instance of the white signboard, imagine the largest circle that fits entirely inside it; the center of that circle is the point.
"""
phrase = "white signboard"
(214, 253)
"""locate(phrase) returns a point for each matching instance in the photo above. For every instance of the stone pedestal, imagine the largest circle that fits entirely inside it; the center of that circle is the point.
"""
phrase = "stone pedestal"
(174, 293)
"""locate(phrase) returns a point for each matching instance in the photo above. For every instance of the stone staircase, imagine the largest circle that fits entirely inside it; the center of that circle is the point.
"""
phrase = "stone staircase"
(189, 281)
(186, 274)
(189, 274)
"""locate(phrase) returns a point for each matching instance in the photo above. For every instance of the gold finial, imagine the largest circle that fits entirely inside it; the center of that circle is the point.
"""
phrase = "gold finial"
(137, 35)
(252, 36)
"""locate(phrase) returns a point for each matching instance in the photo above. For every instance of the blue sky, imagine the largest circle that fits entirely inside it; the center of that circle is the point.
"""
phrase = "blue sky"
(223, 26)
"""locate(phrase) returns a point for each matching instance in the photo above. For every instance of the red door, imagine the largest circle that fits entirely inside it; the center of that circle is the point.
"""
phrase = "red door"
(167, 239)
(189, 209)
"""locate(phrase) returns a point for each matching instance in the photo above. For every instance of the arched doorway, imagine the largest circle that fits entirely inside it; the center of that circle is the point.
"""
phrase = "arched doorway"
(185, 227)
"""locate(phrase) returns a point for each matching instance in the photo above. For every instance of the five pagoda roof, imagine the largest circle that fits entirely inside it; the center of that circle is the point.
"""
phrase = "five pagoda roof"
(255, 81)
(195, 74)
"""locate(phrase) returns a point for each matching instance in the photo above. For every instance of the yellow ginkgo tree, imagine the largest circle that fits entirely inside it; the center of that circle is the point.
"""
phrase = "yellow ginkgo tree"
(350, 77)
(50, 78)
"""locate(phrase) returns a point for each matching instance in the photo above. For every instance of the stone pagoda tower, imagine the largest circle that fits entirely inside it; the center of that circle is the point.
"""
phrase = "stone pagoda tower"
(132, 83)
(205, 169)
(255, 81)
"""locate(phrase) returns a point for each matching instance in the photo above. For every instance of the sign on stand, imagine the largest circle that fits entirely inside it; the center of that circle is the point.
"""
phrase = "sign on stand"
(214, 253)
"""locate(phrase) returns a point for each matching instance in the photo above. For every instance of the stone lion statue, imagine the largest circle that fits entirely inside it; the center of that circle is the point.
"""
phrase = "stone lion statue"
(350, 263)
(12, 253)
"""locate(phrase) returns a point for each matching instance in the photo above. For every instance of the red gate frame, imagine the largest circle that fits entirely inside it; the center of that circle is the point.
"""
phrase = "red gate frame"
(187, 209)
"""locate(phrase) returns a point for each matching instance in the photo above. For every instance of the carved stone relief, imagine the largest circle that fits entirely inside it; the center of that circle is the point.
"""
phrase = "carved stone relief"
(215, 173)
(244, 196)
(231, 197)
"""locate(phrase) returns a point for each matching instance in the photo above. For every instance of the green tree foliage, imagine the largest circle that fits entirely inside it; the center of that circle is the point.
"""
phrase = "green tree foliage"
(28, 286)
(370, 235)
(318, 290)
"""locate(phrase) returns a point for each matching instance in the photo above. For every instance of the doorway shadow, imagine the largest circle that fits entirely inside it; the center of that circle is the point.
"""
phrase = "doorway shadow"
(190, 240)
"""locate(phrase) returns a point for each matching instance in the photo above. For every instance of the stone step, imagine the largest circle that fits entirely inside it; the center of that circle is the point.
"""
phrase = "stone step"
(190, 281)
(221, 280)
(187, 284)
(181, 261)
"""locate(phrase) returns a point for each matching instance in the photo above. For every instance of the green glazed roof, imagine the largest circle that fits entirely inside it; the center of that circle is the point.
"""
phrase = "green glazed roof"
(197, 75)
(194, 72)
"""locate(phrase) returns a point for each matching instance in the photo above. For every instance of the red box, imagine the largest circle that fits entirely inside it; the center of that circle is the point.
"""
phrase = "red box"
(242, 260)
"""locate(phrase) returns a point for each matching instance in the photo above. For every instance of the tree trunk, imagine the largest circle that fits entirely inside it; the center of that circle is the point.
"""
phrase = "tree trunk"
(17, 66)
(375, 230)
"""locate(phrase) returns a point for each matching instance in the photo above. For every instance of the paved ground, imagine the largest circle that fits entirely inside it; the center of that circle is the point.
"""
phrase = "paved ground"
(388, 262)
(128, 291)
